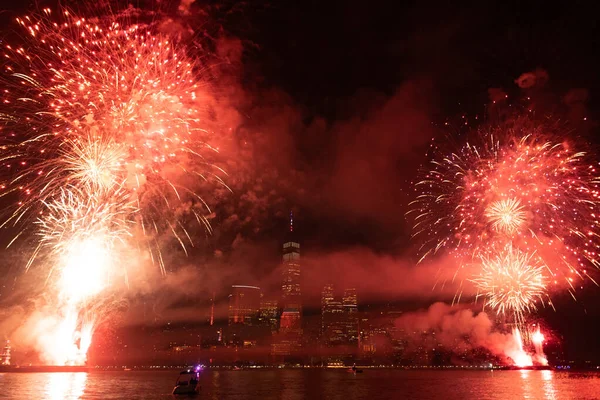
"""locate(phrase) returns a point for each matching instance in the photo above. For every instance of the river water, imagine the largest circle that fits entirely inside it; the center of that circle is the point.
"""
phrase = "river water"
(296, 384)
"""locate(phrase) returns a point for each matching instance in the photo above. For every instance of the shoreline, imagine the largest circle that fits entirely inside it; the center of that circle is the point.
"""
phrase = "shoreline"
(125, 369)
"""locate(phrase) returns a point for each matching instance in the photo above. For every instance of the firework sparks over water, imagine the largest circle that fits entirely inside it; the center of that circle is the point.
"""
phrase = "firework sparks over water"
(104, 124)
(518, 207)
(519, 185)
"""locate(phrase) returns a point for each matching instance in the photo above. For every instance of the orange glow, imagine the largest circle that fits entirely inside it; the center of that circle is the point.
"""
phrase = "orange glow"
(516, 352)
(85, 269)
(537, 337)
(520, 185)
(112, 121)
(63, 386)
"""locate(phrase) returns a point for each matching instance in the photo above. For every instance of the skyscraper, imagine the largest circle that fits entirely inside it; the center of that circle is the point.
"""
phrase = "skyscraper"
(349, 300)
(268, 313)
(288, 339)
(244, 304)
(350, 305)
(339, 318)
(326, 303)
(333, 317)
(291, 299)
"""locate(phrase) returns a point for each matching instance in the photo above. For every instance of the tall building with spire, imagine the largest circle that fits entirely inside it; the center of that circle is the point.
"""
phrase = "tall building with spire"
(288, 340)
(291, 299)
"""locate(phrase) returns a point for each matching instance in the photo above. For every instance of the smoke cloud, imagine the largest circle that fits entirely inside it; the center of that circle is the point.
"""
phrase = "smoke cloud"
(537, 78)
(345, 168)
(460, 330)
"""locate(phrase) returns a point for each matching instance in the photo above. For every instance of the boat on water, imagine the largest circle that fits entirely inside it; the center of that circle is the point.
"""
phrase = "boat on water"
(355, 370)
(187, 382)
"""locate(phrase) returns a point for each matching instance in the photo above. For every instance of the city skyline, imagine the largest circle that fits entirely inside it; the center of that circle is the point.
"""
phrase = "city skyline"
(257, 331)
(386, 185)
(351, 333)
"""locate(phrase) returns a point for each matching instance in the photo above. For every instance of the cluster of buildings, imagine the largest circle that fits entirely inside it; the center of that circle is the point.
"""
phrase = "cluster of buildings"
(273, 329)
(254, 319)
(264, 328)
(339, 316)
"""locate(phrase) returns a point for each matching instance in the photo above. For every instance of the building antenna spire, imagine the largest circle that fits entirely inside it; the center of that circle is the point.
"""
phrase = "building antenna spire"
(212, 309)
(291, 221)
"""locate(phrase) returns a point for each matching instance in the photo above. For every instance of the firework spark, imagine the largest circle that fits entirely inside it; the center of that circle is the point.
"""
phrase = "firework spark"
(104, 105)
(105, 126)
(511, 282)
(521, 184)
(506, 215)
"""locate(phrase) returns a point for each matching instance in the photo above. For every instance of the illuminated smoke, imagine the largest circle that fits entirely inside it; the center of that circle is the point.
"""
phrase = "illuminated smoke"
(103, 126)
(537, 338)
(459, 329)
(522, 185)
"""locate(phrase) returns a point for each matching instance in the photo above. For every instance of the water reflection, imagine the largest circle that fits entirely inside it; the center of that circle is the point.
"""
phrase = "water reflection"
(292, 382)
(309, 384)
(539, 384)
(527, 389)
(549, 389)
(64, 386)
(216, 378)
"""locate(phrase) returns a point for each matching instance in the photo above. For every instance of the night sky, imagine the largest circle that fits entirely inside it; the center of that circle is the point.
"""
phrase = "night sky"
(362, 85)
(329, 108)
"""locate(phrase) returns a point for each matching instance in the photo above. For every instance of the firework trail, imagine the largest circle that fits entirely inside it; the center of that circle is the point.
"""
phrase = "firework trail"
(516, 351)
(537, 338)
(104, 132)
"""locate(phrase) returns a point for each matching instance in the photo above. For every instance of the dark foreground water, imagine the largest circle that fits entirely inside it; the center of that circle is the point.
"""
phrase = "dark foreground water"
(296, 384)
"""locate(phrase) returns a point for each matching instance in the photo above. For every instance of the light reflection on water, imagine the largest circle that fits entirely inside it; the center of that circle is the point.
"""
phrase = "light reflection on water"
(549, 391)
(62, 386)
(528, 391)
(298, 384)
